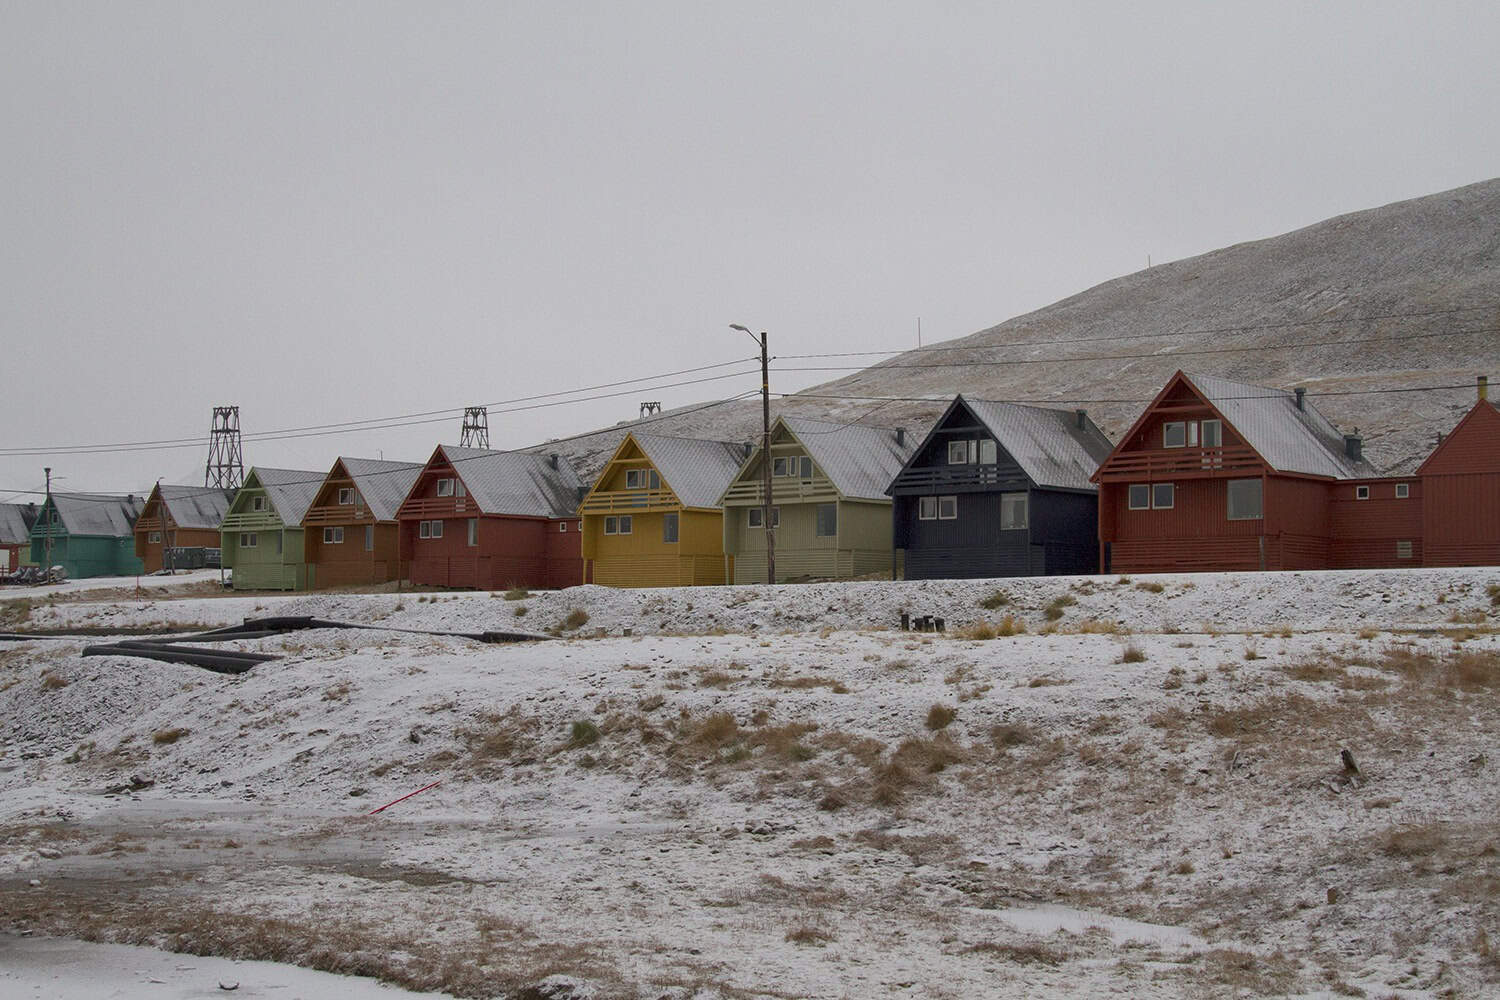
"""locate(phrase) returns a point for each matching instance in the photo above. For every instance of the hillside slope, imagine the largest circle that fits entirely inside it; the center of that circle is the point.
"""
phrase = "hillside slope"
(1401, 296)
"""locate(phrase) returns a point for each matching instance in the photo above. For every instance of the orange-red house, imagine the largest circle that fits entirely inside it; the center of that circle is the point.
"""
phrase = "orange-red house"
(350, 533)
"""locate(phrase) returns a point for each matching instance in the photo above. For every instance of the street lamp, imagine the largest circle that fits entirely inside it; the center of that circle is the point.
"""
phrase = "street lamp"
(765, 447)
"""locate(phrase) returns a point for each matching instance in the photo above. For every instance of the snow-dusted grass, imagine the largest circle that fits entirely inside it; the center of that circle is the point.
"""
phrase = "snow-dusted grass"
(768, 792)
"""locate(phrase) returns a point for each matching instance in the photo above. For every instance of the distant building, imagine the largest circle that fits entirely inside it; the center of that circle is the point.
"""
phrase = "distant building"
(1000, 489)
(351, 535)
(1460, 484)
(262, 536)
(831, 517)
(179, 517)
(90, 534)
(16, 520)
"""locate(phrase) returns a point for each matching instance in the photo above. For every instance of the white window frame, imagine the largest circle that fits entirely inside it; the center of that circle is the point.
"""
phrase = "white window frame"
(927, 508)
(1217, 436)
(671, 519)
(952, 515)
(258, 503)
(778, 467)
(818, 531)
(424, 529)
(1166, 433)
(1361, 492)
(154, 538)
(458, 488)
(612, 524)
(562, 526)
(445, 487)
(346, 496)
(1260, 511)
(805, 466)
(1403, 491)
(1192, 433)
(635, 479)
(1025, 511)
(958, 453)
(473, 531)
(989, 451)
(333, 535)
(755, 517)
(437, 529)
(627, 524)
(1130, 496)
(1163, 506)
(248, 540)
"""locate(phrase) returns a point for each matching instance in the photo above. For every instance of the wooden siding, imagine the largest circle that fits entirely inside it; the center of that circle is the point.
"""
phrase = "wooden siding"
(349, 563)
(150, 553)
(1365, 532)
(862, 545)
(971, 545)
(1461, 494)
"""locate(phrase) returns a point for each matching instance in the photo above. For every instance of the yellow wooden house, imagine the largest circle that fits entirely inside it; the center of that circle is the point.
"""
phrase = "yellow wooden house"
(653, 519)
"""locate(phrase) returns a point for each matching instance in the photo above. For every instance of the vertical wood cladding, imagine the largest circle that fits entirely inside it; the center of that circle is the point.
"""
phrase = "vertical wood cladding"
(1461, 494)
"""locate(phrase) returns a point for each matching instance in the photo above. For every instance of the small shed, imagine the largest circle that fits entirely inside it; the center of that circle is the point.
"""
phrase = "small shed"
(492, 520)
(89, 534)
(653, 517)
(262, 536)
(1461, 486)
(179, 517)
(831, 516)
(16, 520)
(352, 536)
(1000, 489)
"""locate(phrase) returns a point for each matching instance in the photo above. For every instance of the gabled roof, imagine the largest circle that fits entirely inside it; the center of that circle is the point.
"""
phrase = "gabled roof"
(1288, 439)
(291, 491)
(515, 482)
(859, 461)
(15, 522)
(101, 514)
(195, 506)
(382, 484)
(1483, 414)
(697, 471)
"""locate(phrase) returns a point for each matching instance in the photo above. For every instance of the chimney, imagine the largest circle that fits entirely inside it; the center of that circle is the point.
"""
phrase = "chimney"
(1301, 398)
(552, 459)
(1082, 417)
(1484, 387)
(900, 437)
(583, 491)
(748, 447)
(1354, 445)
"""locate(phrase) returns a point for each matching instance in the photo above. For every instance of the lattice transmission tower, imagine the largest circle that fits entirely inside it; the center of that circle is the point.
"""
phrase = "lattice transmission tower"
(226, 461)
(476, 432)
(653, 406)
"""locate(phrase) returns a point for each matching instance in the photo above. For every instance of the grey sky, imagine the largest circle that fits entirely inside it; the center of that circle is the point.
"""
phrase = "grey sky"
(328, 212)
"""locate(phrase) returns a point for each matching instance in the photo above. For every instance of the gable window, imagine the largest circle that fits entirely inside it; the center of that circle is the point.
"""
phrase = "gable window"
(1403, 490)
(1012, 511)
(635, 479)
(1163, 496)
(333, 536)
(806, 467)
(248, 539)
(778, 467)
(346, 496)
(1140, 496)
(988, 451)
(927, 509)
(828, 520)
(947, 508)
(1403, 549)
(257, 503)
(473, 531)
(1213, 433)
(1244, 499)
(369, 538)
(669, 528)
(1361, 492)
(155, 537)
(1174, 434)
(458, 488)
(445, 487)
(1192, 433)
(961, 452)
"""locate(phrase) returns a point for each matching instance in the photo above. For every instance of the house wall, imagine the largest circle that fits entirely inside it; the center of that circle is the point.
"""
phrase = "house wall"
(642, 559)
(1461, 494)
(972, 545)
(150, 553)
(84, 556)
(1195, 535)
(1065, 525)
(349, 563)
(1365, 532)
(274, 563)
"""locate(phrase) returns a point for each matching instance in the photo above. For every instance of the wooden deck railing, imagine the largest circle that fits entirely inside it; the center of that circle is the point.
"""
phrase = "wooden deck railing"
(783, 490)
(629, 502)
(436, 508)
(1180, 463)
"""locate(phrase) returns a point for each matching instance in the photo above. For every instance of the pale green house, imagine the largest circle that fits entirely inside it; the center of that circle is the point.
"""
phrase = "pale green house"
(262, 533)
(831, 517)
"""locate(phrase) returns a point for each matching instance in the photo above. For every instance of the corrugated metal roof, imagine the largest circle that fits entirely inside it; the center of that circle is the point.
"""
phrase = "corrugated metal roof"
(99, 514)
(196, 506)
(291, 491)
(1291, 440)
(1048, 444)
(15, 523)
(860, 461)
(382, 484)
(697, 471)
(516, 483)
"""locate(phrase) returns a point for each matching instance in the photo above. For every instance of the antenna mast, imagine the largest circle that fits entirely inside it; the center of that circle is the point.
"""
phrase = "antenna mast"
(226, 463)
(476, 430)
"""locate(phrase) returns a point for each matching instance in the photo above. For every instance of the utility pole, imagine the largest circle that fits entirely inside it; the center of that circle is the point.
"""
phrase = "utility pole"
(51, 511)
(765, 448)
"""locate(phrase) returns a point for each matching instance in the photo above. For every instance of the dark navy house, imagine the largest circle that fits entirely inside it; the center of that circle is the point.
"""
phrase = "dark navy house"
(1000, 489)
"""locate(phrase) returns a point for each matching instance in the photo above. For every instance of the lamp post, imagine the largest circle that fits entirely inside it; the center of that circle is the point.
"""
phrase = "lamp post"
(765, 447)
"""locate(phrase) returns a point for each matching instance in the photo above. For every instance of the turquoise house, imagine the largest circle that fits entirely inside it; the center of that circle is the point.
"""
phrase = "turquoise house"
(89, 534)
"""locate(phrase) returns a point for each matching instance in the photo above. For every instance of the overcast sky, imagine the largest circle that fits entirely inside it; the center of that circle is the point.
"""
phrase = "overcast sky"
(328, 212)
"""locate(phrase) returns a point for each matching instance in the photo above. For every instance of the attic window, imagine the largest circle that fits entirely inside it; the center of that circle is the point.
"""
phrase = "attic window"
(1174, 434)
(1361, 492)
(1403, 490)
(778, 467)
(346, 496)
(962, 452)
(445, 487)
(989, 452)
(806, 467)
(1213, 433)
(257, 503)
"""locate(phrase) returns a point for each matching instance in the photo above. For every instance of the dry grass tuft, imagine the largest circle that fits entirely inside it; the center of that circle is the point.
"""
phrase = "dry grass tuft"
(717, 730)
(166, 737)
(805, 683)
(1132, 654)
(577, 618)
(1003, 736)
(809, 934)
(53, 682)
(1054, 611)
(1028, 953)
(517, 594)
(582, 733)
(995, 601)
(940, 716)
(1150, 588)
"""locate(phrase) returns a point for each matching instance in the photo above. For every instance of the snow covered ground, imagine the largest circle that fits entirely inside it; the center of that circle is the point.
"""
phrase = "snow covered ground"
(772, 792)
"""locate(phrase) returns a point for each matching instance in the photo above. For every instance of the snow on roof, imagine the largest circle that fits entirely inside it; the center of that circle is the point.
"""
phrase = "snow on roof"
(291, 491)
(515, 482)
(1048, 444)
(697, 471)
(382, 484)
(1289, 439)
(859, 460)
(196, 506)
(102, 514)
(15, 523)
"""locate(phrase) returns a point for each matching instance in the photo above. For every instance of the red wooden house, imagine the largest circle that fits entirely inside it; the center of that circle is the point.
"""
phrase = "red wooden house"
(492, 520)
(179, 517)
(1460, 484)
(1221, 475)
(350, 534)
(15, 534)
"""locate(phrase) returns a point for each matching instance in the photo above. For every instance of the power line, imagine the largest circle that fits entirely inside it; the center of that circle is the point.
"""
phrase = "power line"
(1269, 394)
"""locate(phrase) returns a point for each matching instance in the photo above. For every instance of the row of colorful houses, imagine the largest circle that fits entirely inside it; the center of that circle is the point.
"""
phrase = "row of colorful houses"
(1214, 475)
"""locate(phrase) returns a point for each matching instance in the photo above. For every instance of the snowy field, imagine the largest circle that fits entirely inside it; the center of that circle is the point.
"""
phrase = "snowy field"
(774, 792)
